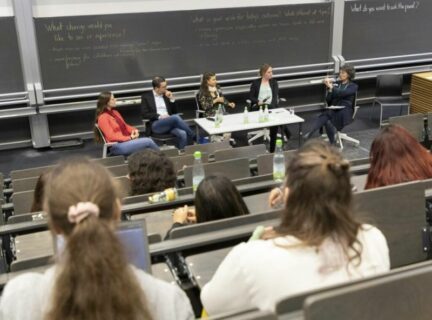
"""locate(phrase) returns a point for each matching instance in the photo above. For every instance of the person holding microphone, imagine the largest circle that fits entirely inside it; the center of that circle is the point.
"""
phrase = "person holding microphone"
(340, 100)
(265, 91)
(210, 95)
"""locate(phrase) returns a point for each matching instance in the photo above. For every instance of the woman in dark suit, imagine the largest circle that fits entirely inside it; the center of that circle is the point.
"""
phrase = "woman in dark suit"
(341, 93)
(265, 91)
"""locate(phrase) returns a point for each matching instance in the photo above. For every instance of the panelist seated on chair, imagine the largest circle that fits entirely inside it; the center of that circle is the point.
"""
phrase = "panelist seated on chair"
(159, 107)
(265, 91)
(115, 129)
(340, 99)
(210, 95)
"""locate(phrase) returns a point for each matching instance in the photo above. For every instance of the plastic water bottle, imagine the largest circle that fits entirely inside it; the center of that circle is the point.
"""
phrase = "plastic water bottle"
(266, 113)
(217, 119)
(245, 116)
(260, 114)
(278, 162)
(197, 171)
(220, 110)
(167, 195)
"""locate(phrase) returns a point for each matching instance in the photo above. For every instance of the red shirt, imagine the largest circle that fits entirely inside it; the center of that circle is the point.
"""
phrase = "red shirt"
(113, 126)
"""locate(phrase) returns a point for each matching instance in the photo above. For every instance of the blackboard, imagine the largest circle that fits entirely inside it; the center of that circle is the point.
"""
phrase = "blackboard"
(11, 77)
(90, 50)
(374, 29)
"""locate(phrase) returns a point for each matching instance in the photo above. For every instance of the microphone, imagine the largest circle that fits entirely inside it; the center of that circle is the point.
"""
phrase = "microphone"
(219, 91)
(321, 81)
(266, 99)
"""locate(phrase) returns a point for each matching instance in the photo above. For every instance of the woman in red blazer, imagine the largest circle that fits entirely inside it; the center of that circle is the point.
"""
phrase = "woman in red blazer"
(115, 129)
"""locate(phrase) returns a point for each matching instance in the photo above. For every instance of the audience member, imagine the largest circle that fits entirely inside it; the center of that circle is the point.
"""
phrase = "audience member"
(150, 171)
(265, 91)
(396, 157)
(341, 95)
(115, 129)
(216, 198)
(91, 279)
(159, 107)
(318, 242)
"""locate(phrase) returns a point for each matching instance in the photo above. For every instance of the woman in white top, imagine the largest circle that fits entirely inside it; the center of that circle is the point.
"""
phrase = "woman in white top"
(91, 279)
(318, 243)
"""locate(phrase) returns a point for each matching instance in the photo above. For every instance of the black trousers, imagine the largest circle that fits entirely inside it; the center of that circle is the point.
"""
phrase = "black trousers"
(324, 119)
(273, 134)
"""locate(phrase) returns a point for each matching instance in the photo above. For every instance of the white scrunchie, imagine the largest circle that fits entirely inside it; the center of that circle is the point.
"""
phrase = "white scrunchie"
(82, 210)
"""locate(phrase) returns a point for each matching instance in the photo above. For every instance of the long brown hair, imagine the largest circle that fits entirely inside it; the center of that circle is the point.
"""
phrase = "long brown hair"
(319, 204)
(204, 91)
(218, 198)
(102, 103)
(397, 157)
(94, 280)
(39, 192)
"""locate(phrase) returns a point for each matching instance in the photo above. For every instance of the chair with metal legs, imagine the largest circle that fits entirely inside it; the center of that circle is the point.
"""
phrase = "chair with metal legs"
(388, 93)
(106, 145)
(263, 133)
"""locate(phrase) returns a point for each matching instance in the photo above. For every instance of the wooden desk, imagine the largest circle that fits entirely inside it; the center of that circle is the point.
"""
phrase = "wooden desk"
(421, 93)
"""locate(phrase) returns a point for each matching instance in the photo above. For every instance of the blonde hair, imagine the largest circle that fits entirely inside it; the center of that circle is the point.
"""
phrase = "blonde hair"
(263, 69)
(94, 280)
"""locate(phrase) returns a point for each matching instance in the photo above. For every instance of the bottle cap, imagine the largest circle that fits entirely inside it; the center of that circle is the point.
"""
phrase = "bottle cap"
(197, 154)
(171, 194)
(279, 143)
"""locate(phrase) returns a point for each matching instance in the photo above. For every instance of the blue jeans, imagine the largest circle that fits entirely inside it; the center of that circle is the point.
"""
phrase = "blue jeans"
(176, 126)
(128, 147)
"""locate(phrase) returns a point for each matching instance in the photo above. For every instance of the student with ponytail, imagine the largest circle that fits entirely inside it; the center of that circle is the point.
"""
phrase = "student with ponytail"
(91, 278)
(319, 241)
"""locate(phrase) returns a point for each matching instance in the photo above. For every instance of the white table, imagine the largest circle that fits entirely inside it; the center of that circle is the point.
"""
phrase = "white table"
(234, 122)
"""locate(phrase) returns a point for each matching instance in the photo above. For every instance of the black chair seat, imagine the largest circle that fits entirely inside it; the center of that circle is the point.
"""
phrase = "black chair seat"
(391, 100)
(389, 93)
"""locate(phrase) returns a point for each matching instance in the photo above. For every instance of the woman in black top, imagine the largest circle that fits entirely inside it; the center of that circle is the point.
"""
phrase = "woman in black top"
(265, 91)
(341, 93)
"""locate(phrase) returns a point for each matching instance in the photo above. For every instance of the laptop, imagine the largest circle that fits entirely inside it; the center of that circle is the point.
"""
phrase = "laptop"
(133, 236)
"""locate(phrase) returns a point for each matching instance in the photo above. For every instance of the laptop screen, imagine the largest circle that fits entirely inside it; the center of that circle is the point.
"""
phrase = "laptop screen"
(133, 236)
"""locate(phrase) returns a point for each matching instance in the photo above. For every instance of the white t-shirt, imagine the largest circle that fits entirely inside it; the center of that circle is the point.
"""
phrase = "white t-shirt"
(28, 297)
(265, 93)
(161, 108)
(258, 274)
